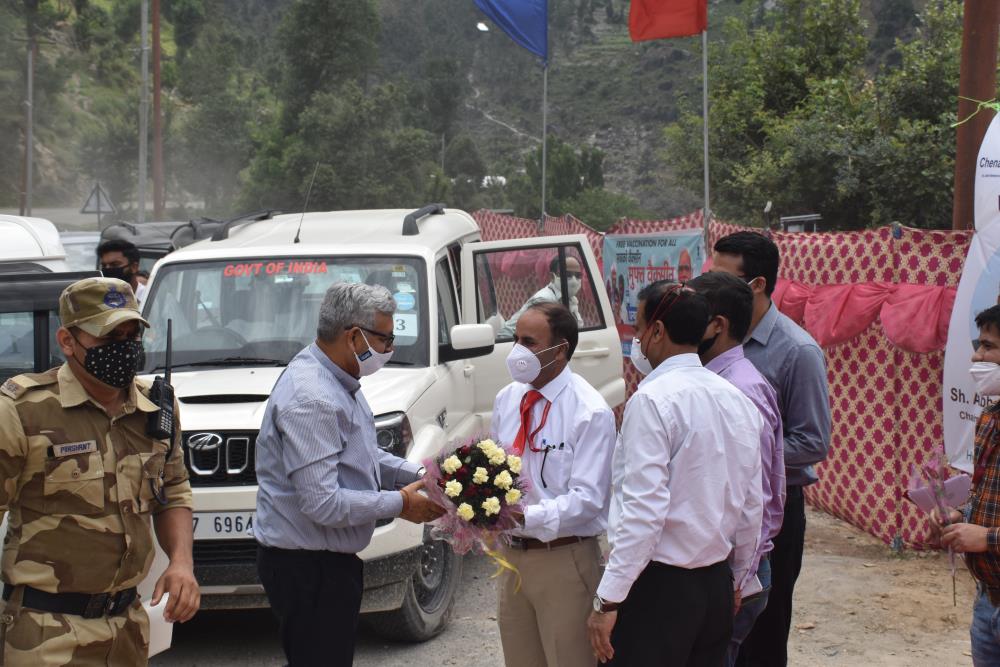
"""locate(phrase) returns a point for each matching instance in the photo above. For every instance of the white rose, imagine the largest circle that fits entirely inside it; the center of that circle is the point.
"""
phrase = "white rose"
(514, 463)
(491, 506)
(503, 480)
(451, 464)
(480, 476)
(453, 488)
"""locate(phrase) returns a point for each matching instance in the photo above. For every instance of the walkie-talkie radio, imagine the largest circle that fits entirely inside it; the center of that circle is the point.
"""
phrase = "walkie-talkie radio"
(160, 424)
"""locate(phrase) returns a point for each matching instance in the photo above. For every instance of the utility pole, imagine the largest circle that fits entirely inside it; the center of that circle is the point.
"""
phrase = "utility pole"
(27, 165)
(977, 81)
(158, 189)
(143, 111)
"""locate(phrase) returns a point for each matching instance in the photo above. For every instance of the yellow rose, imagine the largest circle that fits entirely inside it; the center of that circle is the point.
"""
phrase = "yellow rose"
(503, 480)
(465, 511)
(497, 456)
(480, 476)
(491, 506)
(451, 464)
(514, 463)
(512, 497)
(453, 488)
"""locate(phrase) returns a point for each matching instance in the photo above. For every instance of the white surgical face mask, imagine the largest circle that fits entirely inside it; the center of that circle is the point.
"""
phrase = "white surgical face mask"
(573, 285)
(523, 364)
(639, 359)
(371, 361)
(986, 377)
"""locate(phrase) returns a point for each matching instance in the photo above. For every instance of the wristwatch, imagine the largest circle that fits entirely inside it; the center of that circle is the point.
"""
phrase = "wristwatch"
(421, 472)
(602, 606)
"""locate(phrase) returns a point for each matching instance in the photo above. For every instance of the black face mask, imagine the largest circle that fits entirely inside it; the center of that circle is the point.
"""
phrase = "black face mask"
(115, 363)
(706, 345)
(119, 272)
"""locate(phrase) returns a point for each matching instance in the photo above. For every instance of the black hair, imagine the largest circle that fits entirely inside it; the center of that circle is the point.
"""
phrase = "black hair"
(685, 314)
(759, 256)
(989, 318)
(554, 264)
(729, 297)
(562, 324)
(126, 248)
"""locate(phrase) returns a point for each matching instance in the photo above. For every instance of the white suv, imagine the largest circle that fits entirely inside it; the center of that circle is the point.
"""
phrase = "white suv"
(244, 303)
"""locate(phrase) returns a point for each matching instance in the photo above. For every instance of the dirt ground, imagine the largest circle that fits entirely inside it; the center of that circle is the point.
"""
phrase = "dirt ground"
(858, 603)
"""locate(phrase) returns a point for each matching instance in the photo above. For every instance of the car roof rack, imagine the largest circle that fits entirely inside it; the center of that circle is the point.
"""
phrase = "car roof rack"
(410, 221)
(222, 232)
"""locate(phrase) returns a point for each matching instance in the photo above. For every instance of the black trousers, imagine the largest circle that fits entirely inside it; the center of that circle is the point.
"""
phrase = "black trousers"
(767, 644)
(316, 597)
(674, 617)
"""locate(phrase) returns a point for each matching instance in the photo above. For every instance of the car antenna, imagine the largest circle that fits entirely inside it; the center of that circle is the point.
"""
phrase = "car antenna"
(306, 205)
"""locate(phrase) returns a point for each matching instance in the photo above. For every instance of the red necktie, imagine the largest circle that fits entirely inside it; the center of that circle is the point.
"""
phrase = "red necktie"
(527, 402)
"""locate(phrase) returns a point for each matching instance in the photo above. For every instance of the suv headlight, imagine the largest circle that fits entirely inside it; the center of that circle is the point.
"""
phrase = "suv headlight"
(393, 434)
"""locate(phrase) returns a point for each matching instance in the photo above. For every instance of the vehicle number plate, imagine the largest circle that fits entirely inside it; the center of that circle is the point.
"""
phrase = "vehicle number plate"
(223, 525)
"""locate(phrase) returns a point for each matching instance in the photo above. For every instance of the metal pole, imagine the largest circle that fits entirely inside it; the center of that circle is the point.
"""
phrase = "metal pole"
(98, 189)
(158, 189)
(29, 140)
(977, 80)
(143, 112)
(707, 213)
(545, 135)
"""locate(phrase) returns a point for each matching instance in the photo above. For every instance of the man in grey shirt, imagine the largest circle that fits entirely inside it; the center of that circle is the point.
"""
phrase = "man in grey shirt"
(323, 480)
(794, 364)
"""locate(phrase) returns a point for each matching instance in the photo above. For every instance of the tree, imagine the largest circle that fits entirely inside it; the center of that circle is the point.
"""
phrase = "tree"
(368, 157)
(796, 119)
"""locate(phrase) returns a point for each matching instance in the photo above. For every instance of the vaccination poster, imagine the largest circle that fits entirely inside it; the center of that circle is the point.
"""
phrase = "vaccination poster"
(978, 289)
(632, 261)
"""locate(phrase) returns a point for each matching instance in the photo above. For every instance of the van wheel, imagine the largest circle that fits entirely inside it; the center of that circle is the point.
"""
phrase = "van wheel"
(429, 598)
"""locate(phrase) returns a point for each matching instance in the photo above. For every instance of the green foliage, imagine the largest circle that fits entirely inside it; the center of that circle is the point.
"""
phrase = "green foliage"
(574, 184)
(796, 119)
(324, 44)
(368, 158)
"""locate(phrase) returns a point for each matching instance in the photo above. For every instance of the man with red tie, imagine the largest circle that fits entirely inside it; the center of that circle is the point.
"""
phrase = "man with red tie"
(565, 434)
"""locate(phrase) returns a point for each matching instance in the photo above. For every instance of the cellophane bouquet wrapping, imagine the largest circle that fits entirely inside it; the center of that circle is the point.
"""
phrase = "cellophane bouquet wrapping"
(480, 486)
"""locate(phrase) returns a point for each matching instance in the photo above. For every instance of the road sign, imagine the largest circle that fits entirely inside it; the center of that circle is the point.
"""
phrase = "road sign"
(98, 202)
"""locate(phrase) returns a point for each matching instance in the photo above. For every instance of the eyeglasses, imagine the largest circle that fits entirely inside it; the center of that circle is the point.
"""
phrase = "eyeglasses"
(389, 339)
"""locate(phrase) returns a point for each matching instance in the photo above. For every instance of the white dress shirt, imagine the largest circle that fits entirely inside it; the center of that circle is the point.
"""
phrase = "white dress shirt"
(570, 496)
(686, 476)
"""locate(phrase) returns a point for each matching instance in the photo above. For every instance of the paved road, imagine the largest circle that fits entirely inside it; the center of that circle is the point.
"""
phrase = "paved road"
(250, 637)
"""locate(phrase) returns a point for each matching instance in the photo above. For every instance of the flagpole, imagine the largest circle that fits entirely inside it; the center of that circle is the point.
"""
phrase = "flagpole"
(545, 135)
(707, 212)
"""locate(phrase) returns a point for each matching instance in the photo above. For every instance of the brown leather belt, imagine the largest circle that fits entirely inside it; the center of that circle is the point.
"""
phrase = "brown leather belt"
(525, 543)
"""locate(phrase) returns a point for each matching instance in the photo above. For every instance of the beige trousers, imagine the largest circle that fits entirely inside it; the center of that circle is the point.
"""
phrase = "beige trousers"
(544, 623)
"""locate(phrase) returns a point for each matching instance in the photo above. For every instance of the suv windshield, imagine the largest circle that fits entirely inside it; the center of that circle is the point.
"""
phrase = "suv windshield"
(264, 311)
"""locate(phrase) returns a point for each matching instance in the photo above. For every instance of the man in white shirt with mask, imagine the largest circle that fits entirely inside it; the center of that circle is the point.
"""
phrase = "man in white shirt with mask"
(687, 503)
(552, 293)
(565, 433)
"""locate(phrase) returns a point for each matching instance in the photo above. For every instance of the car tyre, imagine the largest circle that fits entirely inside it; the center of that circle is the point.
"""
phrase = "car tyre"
(429, 597)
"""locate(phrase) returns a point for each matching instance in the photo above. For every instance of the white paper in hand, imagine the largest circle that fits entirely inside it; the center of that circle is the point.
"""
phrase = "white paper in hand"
(160, 630)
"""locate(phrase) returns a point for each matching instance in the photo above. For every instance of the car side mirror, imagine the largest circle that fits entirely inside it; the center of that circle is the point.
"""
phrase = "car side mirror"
(467, 341)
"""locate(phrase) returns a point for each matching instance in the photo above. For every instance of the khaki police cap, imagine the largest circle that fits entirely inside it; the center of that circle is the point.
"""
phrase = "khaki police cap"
(98, 305)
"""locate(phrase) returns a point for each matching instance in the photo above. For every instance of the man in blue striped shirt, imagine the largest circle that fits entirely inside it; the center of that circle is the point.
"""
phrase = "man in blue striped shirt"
(323, 480)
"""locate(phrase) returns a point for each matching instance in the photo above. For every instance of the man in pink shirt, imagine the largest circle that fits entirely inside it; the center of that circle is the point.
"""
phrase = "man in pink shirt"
(721, 351)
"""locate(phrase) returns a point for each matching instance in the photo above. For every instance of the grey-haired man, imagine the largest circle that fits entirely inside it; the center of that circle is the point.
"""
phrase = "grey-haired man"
(323, 480)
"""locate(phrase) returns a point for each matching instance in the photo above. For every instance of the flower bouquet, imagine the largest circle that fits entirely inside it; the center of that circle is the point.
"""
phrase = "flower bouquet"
(480, 486)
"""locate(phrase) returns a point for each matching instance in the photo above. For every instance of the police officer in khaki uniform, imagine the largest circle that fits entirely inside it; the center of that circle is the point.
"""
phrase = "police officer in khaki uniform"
(81, 481)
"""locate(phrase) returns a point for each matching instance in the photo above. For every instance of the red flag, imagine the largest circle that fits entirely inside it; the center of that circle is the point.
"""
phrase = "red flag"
(659, 19)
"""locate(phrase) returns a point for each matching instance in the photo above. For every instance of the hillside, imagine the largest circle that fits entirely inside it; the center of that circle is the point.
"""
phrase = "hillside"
(225, 77)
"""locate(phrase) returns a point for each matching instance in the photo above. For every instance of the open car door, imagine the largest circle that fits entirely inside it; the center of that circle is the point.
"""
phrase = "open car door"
(498, 277)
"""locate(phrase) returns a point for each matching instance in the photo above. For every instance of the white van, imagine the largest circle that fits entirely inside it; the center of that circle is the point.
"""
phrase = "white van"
(246, 302)
(30, 245)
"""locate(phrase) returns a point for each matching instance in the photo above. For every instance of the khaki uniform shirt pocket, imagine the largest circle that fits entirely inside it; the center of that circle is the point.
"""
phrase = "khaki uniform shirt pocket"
(75, 484)
(151, 484)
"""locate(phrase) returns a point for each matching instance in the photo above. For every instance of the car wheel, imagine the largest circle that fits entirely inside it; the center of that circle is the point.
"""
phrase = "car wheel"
(429, 598)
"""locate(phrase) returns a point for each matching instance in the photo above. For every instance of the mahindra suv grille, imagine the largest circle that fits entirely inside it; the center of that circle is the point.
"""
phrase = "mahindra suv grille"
(220, 458)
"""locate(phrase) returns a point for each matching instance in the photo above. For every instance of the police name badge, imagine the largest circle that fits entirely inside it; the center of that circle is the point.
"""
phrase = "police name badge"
(72, 448)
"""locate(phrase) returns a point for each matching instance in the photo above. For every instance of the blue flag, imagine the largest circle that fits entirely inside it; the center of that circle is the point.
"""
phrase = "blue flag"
(525, 21)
